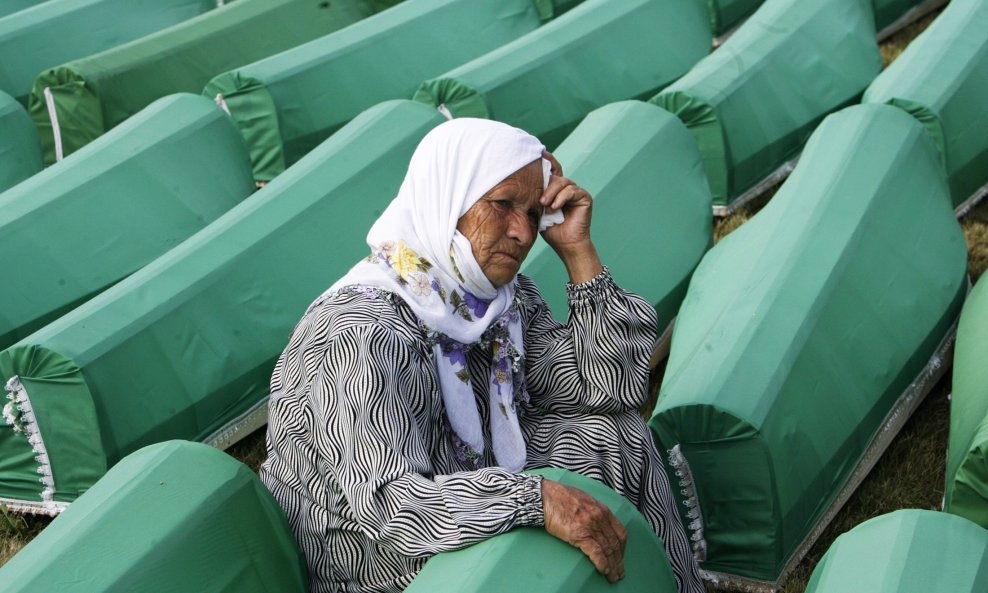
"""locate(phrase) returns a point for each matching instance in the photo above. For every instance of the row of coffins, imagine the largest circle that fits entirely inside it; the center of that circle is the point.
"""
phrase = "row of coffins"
(20, 147)
(57, 32)
(548, 80)
(179, 516)
(752, 103)
(90, 334)
(289, 103)
(75, 102)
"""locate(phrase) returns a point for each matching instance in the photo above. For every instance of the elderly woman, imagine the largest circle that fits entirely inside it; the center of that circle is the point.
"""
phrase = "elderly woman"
(414, 391)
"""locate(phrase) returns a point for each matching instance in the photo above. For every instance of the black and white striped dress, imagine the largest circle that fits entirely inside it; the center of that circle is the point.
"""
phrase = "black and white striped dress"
(363, 460)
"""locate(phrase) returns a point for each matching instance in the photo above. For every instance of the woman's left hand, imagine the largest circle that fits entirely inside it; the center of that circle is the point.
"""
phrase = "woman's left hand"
(570, 239)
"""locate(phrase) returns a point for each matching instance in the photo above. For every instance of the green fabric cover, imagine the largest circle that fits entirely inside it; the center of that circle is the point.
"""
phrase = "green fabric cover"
(529, 559)
(82, 225)
(801, 330)
(941, 79)
(651, 216)
(600, 52)
(93, 94)
(724, 14)
(205, 322)
(753, 102)
(289, 103)
(908, 551)
(57, 32)
(967, 455)
(20, 147)
(172, 517)
(12, 6)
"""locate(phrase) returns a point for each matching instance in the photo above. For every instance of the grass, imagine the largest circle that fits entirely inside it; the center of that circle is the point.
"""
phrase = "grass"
(909, 475)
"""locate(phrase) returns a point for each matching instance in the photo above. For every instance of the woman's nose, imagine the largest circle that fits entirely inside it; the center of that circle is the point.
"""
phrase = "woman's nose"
(520, 228)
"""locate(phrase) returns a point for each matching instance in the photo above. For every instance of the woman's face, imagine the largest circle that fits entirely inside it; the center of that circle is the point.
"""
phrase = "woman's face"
(503, 224)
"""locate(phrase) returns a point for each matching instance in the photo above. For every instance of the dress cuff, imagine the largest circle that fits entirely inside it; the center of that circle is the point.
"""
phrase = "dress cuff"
(529, 497)
(597, 289)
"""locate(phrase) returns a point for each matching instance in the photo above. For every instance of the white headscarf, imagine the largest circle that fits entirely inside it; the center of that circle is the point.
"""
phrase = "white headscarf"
(417, 253)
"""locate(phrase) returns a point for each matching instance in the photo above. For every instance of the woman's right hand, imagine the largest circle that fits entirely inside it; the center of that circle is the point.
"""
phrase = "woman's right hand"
(582, 521)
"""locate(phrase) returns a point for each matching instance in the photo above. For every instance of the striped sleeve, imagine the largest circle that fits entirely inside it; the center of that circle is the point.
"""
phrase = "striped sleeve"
(378, 452)
(598, 361)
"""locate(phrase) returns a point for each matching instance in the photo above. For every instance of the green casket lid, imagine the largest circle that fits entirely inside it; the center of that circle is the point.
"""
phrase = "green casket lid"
(940, 79)
(184, 348)
(80, 226)
(548, 80)
(175, 516)
(753, 102)
(908, 551)
(791, 365)
(530, 559)
(56, 32)
(651, 218)
(287, 104)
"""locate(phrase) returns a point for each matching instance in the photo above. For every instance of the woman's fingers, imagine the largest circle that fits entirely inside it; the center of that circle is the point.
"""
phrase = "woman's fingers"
(582, 521)
(555, 168)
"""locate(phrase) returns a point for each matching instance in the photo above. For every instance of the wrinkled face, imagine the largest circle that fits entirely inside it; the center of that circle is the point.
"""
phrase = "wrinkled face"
(503, 224)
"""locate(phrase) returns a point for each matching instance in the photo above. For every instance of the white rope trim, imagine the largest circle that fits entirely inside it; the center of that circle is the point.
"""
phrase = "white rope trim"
(222, 103)
(19, 414)
(445, 111)
(678, 461)
(55, 130)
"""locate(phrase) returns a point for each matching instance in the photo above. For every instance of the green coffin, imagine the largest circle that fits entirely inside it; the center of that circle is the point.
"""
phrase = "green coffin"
(651, 217)
(529, 559)
(84, 224)
(93, 94)
(753, 102)
(908, 551)
(12, 6)
(725, 14)
(600, 52)
(172, 517)
(941, 79)
(806, 339)
(20, 147)
(185, 347)
(289, 103)
(57, 32)
(967, 455)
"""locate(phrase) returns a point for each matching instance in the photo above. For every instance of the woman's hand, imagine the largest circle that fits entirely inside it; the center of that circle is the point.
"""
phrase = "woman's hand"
(571, 238)
(582, 521)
